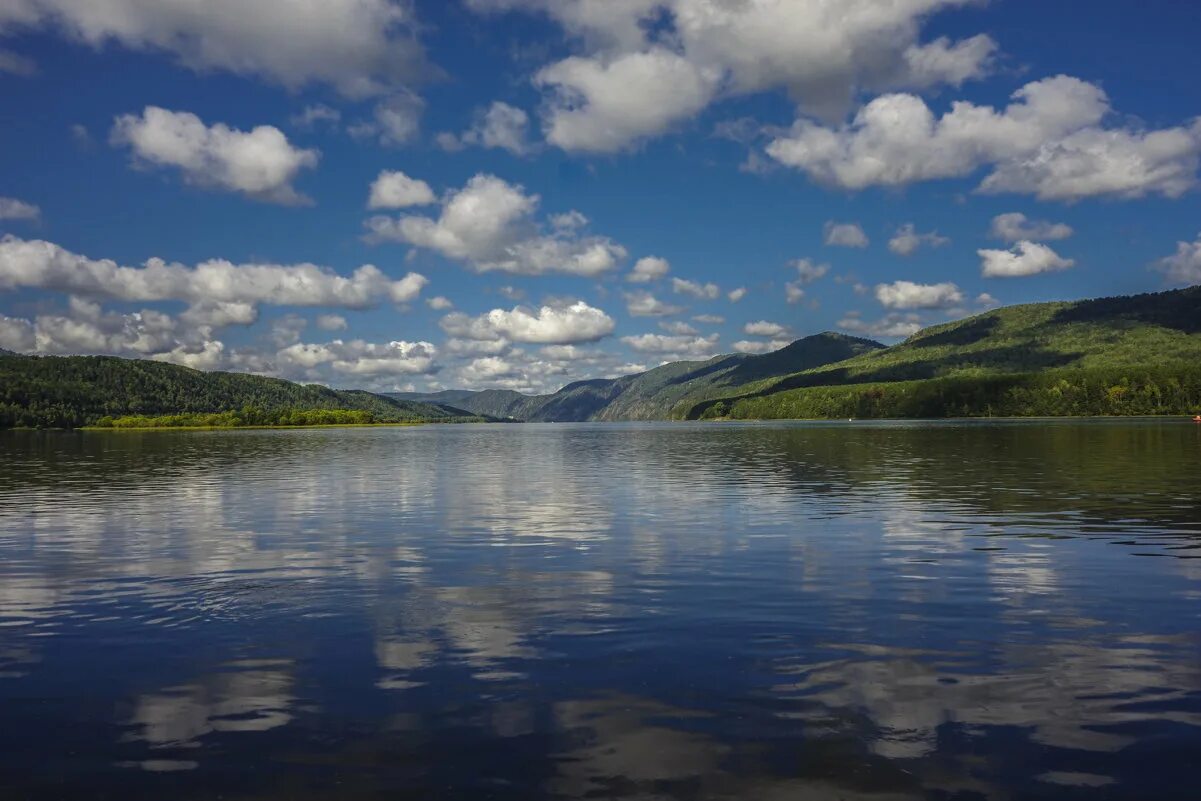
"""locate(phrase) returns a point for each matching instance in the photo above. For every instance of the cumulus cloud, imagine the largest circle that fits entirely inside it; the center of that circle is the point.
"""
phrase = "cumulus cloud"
(331, 322)
(359, 47)
(845, 235)
(1049, 142)
(910, 295)
(894, 325)
(675, 347)
(605, 104)
(490, 225)
(316, 114)
(499, 126)
(649, 65)
(694, 289)
(359, 358)
(906, 241)
(1015, 226)
(808, 271)
(259, 163)
(1025, 258)
(764, 328)
(793, 292)
(219, 291)
(13, 209)
(16, 334)
(678, 327)
(709, 319)
(439, 303)
(647, 269)
(392, 189)
(759, 346)
(735, 295)
(643, 304)
(1183, 267)
(395, 120)
(548, 325)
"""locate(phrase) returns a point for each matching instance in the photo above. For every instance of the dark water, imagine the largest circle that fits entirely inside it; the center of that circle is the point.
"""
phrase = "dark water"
(826, 611)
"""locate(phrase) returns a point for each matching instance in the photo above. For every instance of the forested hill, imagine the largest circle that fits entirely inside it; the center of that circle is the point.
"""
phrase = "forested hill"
(71, 391)
(1125, 355)
(653, 394)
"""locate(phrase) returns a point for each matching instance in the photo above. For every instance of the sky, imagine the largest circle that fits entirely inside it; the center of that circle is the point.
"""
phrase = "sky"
(396, 195)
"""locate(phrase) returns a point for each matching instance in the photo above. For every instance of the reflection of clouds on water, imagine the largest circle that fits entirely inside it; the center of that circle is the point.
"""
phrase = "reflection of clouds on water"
(246, 697)
(1065, 694)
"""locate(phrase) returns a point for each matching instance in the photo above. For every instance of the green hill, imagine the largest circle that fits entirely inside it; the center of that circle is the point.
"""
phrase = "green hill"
(1129, 355)
(71, 391)
(653, 394)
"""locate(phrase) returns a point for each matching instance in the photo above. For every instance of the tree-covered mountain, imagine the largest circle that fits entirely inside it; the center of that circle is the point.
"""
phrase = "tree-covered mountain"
(1125, 355)
(653, 394)
(71, 391)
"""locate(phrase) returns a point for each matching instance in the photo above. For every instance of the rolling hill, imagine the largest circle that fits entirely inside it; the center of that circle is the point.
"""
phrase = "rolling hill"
(653, 394)
(71, 391)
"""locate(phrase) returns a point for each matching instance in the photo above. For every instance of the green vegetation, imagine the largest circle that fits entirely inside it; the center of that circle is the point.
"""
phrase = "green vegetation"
(248, 417)
(1056, 393)
(653, 394)
(74, 391)
(1115, 356)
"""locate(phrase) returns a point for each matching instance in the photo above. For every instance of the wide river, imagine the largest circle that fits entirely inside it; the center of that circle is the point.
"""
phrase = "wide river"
(650, 611)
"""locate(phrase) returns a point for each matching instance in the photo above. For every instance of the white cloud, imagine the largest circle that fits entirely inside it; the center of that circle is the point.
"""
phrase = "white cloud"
(647, 269)
(845, 235)
(709, 319)
(892, 325)
(643, 304)
(392, 189)
(679, 347)
(906, 241)
(793, 293)
(1026, 258)
(1049, 142)
(695, 289)
(651, 64)
(759, 346)
(606, 104)
(986, 300)
(908, 295)
(489, 224)
(259, 163)
(807, 271)
(395, 120)
(1184, 266)
(1015, 226)
(359, 47)
(764, 328)
(331, 322)
(499, 126)
(16, 334)
(13, 209)
(359, 358)
(735, 295)
(548, 325)
(216, 288)
(216, 314)
(439, 303)
(678, 328)
(316, 114)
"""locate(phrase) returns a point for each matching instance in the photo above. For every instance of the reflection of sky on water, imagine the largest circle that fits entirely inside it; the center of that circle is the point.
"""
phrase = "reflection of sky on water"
(638, 611)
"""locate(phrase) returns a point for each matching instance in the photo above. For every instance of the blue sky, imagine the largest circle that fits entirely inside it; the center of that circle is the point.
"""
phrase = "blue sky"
(191, 181)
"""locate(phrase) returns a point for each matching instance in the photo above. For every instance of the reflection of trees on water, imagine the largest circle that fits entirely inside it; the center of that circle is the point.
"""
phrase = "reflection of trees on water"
(486, 558)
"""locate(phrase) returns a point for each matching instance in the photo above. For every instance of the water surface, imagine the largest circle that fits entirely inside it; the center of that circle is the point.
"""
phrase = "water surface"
(653, 611)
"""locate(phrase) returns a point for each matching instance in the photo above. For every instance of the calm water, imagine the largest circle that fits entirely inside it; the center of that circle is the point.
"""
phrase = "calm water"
(820, 611)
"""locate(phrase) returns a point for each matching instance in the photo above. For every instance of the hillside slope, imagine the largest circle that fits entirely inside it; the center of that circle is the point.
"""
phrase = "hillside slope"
(652, 395)
(70, 391)
(1091, 341)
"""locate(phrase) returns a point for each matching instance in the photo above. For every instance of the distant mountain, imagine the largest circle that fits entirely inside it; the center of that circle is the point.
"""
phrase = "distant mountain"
(652, 395)
(70, 391)
(1124, 355)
